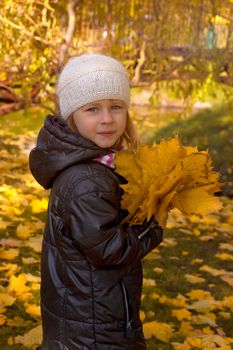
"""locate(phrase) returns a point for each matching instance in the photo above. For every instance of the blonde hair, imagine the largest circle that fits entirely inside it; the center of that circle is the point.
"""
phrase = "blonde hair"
(129, 138)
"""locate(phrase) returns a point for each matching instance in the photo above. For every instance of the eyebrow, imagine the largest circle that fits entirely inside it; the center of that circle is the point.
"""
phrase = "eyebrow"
(97, 103)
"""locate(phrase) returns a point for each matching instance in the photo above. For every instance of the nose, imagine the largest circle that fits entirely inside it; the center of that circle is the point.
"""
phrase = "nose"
(107, 116)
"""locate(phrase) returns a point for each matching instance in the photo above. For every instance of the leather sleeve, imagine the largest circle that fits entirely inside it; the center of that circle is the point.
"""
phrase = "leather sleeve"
(93, 221)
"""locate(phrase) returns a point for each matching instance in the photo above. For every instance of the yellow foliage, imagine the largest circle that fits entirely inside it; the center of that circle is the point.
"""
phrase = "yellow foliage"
(227, 246)
(2, 319)
(224, 256)
(18, 284)
(9, 254)
(23, 231)
(227, 279)
(4, 224)
(204, 306)
(9, 268)
(33, 310)
(6, 299)
(39, 205)
(199, 294)
(180, 301)
(212, 270)
(10, 341)
(228, 301)
(160, 330)
(186, 329)
(208, 318)
(31, 339)
(182, 314)
(180, 346)
(142, 315)
(166, 176)
(35, 243)
(207, 330)
(149, 282)
(204, 342)
(193, 279)
(17, 322)
(158, 270)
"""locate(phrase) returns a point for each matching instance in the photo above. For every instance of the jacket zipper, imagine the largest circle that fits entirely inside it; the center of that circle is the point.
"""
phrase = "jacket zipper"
(128, 321)
(143, 233)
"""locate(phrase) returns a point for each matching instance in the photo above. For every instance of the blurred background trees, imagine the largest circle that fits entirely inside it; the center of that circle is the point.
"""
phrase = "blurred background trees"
(176, 43)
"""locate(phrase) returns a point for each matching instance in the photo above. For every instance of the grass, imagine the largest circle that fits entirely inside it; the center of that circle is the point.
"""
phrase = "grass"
(208, 129)
(176, 256)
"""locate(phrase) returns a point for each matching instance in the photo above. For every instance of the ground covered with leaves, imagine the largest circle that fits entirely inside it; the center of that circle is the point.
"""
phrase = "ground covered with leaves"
(187, 300)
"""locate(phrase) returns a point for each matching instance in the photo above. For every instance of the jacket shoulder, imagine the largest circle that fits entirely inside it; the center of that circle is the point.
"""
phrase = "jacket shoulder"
(84, 178)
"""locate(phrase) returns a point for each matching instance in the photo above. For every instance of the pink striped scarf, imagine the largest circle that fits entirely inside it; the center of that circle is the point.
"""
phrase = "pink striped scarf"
(107, 160)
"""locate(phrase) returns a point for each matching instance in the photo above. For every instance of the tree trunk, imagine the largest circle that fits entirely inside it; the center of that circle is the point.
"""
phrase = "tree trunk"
(142, 59)
(71, 7)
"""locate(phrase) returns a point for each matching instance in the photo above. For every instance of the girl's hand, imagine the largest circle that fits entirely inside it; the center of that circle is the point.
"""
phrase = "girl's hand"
(143, 229)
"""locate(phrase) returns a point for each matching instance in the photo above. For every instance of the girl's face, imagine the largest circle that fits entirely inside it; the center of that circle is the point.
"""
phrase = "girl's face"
(102, 122)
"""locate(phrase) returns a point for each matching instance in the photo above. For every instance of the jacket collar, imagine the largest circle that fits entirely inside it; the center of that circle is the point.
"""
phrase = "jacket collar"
(58, 148)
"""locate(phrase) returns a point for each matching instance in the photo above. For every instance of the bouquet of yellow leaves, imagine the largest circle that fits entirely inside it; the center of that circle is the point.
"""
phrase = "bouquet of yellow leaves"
(166, 176)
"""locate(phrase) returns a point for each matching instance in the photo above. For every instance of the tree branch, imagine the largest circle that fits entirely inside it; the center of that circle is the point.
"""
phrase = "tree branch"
(71, 7)
(139, 66)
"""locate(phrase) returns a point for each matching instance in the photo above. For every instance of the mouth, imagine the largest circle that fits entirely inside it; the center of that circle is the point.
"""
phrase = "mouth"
(106, 133)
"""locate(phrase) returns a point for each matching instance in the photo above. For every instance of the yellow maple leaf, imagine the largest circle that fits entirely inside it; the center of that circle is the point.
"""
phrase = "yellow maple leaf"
(167, 176)
(142, 315)
(200, 294)
(35, 243)
(31, 339)
(6, 299)
(194, 279)
(212, 270)
(224, 256)
(17, 321)
(208, 318)
(186, 329)
(17, 284)
(204, 306)
(23, 231)
(2, 319)
(207, 330)
(227, 279)
(4, 224)
(9, 254)
(39, 205)
(198, 200)
(227, 246)
(182, 314)
(160, 330)
(149, 282)
(181, 346)
(228, 301)
(33, 310)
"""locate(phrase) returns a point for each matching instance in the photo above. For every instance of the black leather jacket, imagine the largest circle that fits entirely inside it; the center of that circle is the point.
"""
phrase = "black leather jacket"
(91, 271)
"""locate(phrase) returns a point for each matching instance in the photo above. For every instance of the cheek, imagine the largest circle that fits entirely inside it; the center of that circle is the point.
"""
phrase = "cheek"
(85, 125)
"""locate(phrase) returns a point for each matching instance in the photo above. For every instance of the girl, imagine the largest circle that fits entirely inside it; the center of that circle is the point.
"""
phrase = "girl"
(91, 270)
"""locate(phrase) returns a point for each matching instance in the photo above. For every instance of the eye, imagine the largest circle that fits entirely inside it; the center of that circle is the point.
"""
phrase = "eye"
(117, 107)
(92, 109)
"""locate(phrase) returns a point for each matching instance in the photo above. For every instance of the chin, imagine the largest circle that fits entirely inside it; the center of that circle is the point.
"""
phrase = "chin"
(104, 145)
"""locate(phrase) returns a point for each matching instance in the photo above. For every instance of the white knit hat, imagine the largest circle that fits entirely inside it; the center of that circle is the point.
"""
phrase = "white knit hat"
(89, 78)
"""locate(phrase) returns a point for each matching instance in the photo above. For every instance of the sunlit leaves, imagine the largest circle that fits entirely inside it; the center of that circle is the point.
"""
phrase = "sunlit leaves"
(166, 176)
(30, 339)
(161, 331)
(195, 316)
(22, 213)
